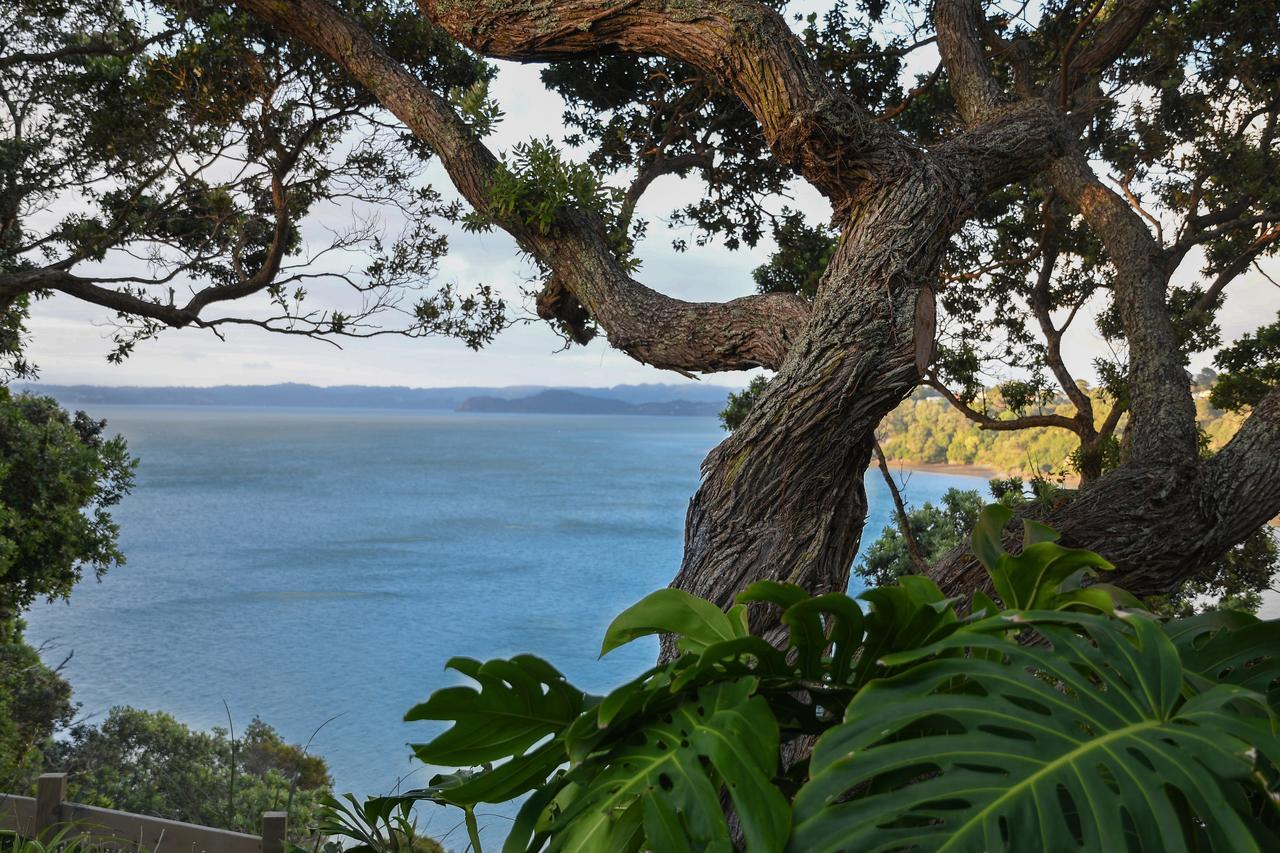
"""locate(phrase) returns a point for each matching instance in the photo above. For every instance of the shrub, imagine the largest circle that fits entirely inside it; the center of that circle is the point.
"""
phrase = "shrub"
(1061, 715)
(147, 762)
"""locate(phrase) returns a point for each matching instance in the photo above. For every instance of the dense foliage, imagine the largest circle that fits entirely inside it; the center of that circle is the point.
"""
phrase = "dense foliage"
(35, 702)
(1250, 368)
(936, 529)
(1058, 711)
(149, 763)
(59, 477)
(739, 403)
(190, 147)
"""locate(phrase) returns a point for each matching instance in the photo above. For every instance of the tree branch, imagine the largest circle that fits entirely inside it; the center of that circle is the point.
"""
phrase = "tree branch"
(900, 511)
(1124, 24)
(651, 327)
(96, 46)
(985, 421)
(1236, 266)
(747, 47)
(1162, 425)
(1050, 250)
(960, 43)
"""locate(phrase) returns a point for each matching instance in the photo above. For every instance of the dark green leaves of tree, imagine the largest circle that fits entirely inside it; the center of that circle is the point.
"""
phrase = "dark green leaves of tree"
(59, 477)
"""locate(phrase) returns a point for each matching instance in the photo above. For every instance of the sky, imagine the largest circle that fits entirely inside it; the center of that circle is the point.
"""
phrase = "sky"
(70, 339)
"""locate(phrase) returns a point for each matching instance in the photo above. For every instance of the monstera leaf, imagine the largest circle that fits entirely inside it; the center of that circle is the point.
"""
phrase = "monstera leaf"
(1231, 647)
(663, 783)
(1089, 738)
(825, 631)
(695, 622)
(910, 614)
(519, 702)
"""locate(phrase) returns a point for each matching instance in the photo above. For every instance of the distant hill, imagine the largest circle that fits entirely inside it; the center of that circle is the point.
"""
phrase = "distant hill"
(668, 398)
(561, 402)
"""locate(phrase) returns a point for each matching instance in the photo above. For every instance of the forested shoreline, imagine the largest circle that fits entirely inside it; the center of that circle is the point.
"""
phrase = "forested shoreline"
(926, 431)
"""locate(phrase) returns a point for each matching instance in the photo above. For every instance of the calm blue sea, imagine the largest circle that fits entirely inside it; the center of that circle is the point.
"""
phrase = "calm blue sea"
(305, 564)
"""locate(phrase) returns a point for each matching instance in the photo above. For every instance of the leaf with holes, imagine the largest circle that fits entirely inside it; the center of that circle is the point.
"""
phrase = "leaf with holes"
(519, 702)
(1231, 648)
(667, 777)
(1086, 739)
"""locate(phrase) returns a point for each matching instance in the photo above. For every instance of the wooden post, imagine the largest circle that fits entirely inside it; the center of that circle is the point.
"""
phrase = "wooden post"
(51, 790)
(275, 826)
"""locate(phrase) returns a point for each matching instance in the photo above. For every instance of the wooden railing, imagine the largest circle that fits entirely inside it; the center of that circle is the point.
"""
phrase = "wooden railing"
(48, 812)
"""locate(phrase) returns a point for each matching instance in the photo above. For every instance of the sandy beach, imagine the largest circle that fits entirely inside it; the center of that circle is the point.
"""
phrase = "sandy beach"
(896, 465)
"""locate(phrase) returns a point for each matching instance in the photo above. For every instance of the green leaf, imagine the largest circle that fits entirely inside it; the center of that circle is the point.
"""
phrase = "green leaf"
(909, 615)
(519, 702)
(1033, 533)
(696, 622)
(675, 767)
(815, 624)
(781, 594)
(1044, 575)
(983, 743)
(988, 545)
(1232, 649)
(508, 780)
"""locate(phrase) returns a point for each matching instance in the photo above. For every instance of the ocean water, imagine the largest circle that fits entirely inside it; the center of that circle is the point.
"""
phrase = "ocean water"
(303, 565)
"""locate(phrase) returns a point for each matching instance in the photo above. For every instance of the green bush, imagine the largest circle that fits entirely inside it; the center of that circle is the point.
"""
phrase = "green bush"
(147, 762)
(59, 476)
(35, 701)
(1060, 716)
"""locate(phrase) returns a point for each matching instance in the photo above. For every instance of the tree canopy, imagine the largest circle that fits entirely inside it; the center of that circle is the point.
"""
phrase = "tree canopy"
(165, 159)
(147, 762)
(60, 475)
(998, 175)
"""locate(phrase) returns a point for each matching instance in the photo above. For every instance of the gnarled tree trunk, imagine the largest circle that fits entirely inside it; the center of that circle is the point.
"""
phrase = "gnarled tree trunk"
(783, 498)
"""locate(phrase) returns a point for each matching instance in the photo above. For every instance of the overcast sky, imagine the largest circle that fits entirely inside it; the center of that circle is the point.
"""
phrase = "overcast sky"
(70, 339)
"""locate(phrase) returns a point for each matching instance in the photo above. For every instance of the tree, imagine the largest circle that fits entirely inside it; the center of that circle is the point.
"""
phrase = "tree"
(739, 403)
(201, 146)
(35, 702)
(148, 763)
(59, 477)
(986, 165)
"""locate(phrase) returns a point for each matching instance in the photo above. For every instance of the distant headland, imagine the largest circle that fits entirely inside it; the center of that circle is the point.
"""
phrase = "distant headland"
(647, 399)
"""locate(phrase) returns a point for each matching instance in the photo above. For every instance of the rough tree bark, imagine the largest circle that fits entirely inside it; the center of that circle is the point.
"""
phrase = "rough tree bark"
(782, 497)
(1164, 513)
